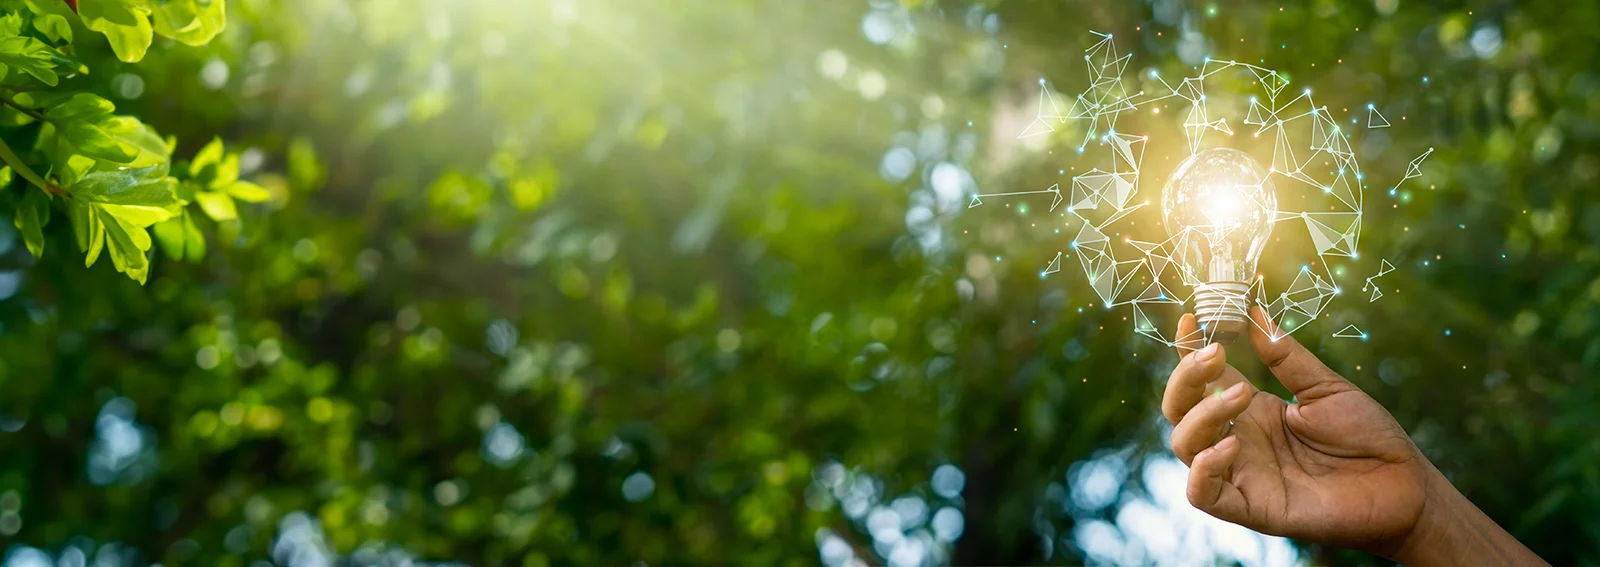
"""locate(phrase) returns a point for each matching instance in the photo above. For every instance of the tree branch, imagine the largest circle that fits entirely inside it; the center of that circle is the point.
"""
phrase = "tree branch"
(34, 112)
(26, 172)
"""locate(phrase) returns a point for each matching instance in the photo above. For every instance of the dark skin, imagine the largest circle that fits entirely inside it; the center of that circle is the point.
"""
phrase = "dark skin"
(1332, 468)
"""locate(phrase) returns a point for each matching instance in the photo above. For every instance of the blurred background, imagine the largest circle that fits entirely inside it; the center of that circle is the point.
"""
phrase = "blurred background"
(618, 282)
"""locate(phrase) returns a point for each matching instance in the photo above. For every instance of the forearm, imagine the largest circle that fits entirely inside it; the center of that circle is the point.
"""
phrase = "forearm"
(1452, 531)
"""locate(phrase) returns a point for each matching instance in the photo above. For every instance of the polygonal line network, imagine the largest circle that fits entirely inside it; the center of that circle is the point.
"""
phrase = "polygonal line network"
(1110, 195)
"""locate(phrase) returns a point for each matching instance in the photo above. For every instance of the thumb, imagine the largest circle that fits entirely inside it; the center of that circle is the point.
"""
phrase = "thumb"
(1299, 370)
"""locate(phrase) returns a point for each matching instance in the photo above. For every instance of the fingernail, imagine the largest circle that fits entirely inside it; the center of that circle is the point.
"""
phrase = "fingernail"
(1205, 354)
(1227, 443)
(1235, 392)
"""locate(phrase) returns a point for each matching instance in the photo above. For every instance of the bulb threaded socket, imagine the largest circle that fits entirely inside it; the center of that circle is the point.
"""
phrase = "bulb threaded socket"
(1220, 309)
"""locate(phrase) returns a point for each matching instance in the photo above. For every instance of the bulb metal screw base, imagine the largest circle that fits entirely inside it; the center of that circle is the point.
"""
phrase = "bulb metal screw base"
(1220, 309)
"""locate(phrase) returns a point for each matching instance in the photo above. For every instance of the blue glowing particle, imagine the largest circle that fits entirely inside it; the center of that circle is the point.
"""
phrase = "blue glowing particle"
(1447, 332)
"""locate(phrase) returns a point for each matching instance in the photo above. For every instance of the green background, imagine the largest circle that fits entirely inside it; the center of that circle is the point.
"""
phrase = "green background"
(593, 282)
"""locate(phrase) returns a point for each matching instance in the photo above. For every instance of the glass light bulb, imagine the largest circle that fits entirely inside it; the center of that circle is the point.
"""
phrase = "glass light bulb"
(1219, 202)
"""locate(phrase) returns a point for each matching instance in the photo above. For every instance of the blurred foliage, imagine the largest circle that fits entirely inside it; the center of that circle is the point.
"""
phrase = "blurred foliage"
(563, 282)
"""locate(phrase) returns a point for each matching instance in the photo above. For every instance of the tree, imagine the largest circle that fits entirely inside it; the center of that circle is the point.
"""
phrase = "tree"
(594, 282)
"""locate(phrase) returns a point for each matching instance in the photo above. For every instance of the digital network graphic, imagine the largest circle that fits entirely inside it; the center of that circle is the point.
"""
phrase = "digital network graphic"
(1312, 169)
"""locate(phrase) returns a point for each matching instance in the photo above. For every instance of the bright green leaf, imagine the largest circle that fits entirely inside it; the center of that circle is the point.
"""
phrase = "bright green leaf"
(143, 139)
(218, 206)
(30, 56)
(148, 186)
(214, 168)
(10, 25)
(138, 215)
(94, 140)
(87, 228)
(209, 155)
(127, 244)
(51, 18)
(248, 192)
(190, 22)
(125, 23)
(82, 106)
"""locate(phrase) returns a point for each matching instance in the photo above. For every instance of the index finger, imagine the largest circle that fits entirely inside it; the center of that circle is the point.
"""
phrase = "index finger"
(1188, 337)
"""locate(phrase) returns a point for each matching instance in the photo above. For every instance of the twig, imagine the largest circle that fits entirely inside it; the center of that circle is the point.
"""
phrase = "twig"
(26, 172)
(6, 98)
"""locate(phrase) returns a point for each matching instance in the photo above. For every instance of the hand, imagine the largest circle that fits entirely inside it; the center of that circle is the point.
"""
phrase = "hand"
(1333, 468)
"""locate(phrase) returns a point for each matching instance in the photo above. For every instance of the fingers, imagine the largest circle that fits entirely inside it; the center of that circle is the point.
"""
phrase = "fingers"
(1188, 338)
(1299, 370)
(1188, 381)
(1203, 424)
(1210, 488)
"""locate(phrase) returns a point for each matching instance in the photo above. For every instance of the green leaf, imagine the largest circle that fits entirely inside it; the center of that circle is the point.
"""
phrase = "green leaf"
(125, 23)
(128, 245)
(86, 226)
(209, 155)
(30, 56)
(218, 206)
(86, 122)
(137, 215)
(194, 240)
(248, 192)
(170, 235)
(32, 215)
(181, 239)
(50, 18)
(213, 168)
(82, 106)
(11, 25)
(190, 22)
(143, 139)
(147, 186)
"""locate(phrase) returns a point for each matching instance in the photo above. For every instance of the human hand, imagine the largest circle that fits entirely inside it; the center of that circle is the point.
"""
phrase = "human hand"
(1333, 468)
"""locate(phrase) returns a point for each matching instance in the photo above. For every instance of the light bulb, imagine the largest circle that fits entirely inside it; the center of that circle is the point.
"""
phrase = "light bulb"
(1222, 199)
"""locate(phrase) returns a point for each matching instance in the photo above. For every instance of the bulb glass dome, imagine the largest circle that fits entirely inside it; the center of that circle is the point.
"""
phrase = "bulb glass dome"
(1224, 199)
(1219, 205)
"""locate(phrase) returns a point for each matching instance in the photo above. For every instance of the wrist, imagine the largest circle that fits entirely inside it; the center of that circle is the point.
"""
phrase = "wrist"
(1450, 530)
(1440, 510)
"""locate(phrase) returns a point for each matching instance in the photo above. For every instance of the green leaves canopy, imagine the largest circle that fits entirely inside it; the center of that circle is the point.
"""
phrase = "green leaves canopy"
(109, 173)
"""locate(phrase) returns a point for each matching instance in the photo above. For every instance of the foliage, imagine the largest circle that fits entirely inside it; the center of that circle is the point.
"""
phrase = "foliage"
(560, 282)
(109, 173)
